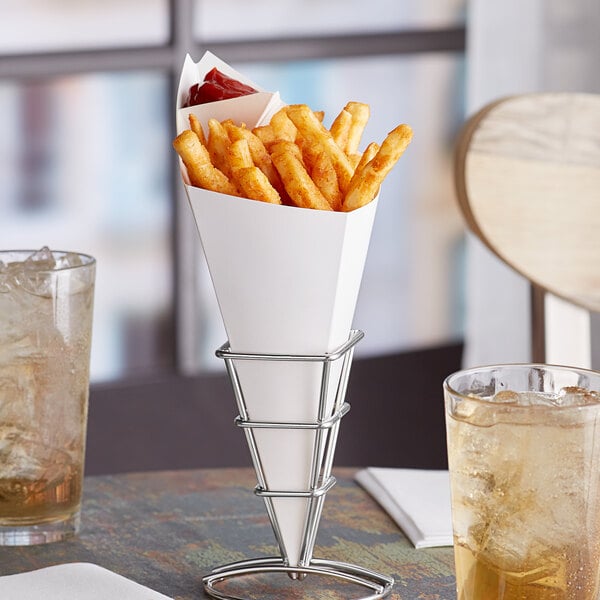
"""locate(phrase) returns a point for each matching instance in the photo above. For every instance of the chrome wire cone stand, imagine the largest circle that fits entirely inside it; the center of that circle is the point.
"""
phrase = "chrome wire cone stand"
(326, 429)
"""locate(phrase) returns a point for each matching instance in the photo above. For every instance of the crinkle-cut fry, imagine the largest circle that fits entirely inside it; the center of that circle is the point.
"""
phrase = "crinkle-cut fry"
(256, 186)
(320, 114)
(311, 128)
(265, 134)
(196, 127)
(366, 181)
(360, 115)
(201, 171)
(259, 153)
(301, 189)
(218, 143)
(323, 174)
(370, 151)
(340, 127)
(283, 128)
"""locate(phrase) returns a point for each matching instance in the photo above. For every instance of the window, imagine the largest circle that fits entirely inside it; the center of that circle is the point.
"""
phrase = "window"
(86, 93)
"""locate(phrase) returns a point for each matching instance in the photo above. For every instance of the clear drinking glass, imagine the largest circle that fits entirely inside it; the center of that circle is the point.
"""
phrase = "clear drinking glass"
(46, 303)
(524, 460)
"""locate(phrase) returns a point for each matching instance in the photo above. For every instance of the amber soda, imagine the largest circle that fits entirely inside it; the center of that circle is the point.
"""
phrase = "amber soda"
(46, 303)
(524, 460)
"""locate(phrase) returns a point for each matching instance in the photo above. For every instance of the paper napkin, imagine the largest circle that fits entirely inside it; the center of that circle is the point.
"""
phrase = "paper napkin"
(73, 581)
(417, 500)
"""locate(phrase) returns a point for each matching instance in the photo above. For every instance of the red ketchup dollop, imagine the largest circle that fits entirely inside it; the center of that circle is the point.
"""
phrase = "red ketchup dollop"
(216, 86)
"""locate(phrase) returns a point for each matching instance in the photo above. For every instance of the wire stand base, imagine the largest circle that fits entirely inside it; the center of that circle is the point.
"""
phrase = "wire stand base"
(325, 429)
(379, 585)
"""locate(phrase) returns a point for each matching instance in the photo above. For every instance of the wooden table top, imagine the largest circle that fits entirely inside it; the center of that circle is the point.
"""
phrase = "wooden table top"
(168, 529)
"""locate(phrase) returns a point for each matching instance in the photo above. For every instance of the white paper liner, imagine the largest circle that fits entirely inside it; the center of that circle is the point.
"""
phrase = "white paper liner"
(251, 110)
(287, 280)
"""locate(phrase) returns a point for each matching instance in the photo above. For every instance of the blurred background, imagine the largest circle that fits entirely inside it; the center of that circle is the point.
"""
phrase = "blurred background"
(87, 94)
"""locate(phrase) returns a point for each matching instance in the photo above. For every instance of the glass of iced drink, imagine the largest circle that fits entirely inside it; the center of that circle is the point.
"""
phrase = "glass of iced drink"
(46, 302)
(524, 460)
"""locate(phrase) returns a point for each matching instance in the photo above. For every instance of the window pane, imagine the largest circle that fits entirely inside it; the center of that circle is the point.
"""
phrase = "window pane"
(84, 165)
(29, 26)
(239, 19)
(411, 291)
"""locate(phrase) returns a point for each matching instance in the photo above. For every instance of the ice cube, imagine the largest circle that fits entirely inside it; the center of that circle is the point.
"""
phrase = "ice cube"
(34, 274)
(539, 399)
(577, 396)
(507, 397)
(68, 260)
(512, 398)
(42, 260)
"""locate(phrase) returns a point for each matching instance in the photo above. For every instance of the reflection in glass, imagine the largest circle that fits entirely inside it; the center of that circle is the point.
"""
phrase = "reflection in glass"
(84, 165)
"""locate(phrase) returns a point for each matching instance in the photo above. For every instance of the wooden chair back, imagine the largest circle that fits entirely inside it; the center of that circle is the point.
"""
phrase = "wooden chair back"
(527, 173)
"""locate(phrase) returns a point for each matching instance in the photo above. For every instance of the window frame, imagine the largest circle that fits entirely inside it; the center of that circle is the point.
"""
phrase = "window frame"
(168, 59)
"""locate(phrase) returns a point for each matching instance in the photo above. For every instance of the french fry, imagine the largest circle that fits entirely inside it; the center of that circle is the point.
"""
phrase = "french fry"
(324, 177)
(255, 185)
(283, 128)
(260, 156)
(238, 156)
(251, 181)
(309, 152)
(201, 171)
(311, 128)
(366, 181)
(354, 160)
(286, 147)
(296, 180)
(196, 127)
(360, 115)
(294, 159)
(370, 151)
(340, 127)
(265, 134)
(218, 143)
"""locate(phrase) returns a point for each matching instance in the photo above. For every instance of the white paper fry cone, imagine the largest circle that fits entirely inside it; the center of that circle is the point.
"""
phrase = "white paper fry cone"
(287, 280)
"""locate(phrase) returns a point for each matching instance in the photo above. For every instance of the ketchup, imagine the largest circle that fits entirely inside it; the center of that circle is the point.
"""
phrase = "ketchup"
(216, 86)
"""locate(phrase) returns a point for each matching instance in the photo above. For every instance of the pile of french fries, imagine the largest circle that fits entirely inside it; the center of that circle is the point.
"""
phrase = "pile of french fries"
(293, 160)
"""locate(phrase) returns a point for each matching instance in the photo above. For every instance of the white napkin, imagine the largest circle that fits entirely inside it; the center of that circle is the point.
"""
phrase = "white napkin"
(418, 500)
(73, 581)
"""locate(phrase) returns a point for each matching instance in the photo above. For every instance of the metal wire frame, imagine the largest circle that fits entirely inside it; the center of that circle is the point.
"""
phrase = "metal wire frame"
(379, 585)
(321, 481)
